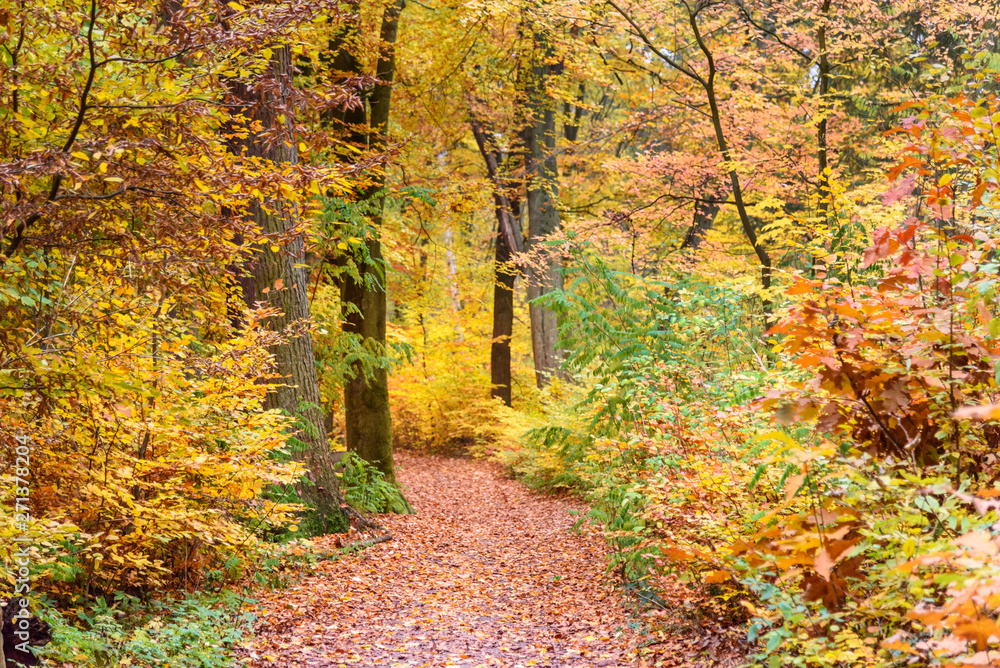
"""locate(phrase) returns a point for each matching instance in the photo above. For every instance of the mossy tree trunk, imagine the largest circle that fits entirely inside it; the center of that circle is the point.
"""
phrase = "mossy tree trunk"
(278, 278)
(366, 399)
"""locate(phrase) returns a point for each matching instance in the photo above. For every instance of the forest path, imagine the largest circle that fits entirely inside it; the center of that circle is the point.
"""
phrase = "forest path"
(487, 573)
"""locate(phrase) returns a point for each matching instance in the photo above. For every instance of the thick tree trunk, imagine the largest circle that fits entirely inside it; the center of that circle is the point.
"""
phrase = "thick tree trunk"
(297, 391)
(366, 400)
(543, 274)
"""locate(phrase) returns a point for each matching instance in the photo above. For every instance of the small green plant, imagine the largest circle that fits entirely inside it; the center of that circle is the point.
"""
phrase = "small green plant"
(365, 488)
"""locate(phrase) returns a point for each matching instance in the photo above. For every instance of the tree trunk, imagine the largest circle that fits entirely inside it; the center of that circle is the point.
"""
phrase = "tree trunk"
(822, 155)
(734, 178)
(508, 242)
(366, 400)
(571, 129)
(503, 320)
(708, 84)
(543, 274)
(704, 217)
(297, 391)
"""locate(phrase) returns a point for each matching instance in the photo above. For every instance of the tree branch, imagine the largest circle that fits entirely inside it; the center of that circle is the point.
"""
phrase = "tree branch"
(640, 33)
(505, 216)
(70, 140)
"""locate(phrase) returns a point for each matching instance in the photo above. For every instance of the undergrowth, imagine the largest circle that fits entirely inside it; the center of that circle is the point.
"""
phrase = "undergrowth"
(191, 632)
(833, 491)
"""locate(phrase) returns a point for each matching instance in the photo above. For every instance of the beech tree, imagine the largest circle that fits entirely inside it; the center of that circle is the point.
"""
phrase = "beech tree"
(509, 240)
(544, 273)
(262, 128)
(366, 394)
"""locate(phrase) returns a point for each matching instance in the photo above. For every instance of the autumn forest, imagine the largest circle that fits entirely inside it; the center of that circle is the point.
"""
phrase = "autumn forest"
(505, 333)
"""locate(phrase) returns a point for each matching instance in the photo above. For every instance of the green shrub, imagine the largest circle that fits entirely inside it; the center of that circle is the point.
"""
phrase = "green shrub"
(193, 632)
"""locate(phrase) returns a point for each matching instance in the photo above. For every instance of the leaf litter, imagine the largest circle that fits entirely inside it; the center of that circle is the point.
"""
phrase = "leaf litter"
(487, 573)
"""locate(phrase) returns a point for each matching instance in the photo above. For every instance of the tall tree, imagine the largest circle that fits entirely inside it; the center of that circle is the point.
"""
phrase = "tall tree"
(366, 396)
(508, 241)
(544, 272)
(707, 81)
(262, 129)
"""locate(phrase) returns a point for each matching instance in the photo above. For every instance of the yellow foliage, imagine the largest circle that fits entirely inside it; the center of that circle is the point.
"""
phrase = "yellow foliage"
(148, 447)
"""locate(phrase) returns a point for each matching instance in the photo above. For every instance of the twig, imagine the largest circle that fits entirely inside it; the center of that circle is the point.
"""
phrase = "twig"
(362, 544)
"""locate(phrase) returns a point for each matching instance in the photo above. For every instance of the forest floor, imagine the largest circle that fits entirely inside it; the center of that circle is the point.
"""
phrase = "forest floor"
(487, 573)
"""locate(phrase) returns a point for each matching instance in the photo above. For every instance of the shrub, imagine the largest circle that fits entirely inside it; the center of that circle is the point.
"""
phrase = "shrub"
(153, 475)
(188, 633)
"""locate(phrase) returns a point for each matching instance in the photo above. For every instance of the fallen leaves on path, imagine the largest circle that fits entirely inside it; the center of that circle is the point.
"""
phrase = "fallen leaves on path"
(486, 574)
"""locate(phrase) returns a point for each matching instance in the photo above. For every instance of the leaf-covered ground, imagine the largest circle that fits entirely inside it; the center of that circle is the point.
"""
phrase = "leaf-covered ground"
(486, 574)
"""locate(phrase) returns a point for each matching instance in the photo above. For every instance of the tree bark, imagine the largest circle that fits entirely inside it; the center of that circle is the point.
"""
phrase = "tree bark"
(508, 242)
(281, 275)
(543, 274)
(703, 219)
(571, 129)
(503, 320)
(366, 400)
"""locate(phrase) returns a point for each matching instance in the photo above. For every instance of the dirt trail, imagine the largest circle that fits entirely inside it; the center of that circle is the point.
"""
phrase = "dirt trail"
(486, 574)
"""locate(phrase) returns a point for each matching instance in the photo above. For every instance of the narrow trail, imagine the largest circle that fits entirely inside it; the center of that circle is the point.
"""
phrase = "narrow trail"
(486, 574)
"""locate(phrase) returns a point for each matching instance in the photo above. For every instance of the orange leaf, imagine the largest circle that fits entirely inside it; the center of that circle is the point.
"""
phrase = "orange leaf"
(979, 631)
(717, 576)
(793, 485)
(823, 564)
(803, 287)
(984, 412)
